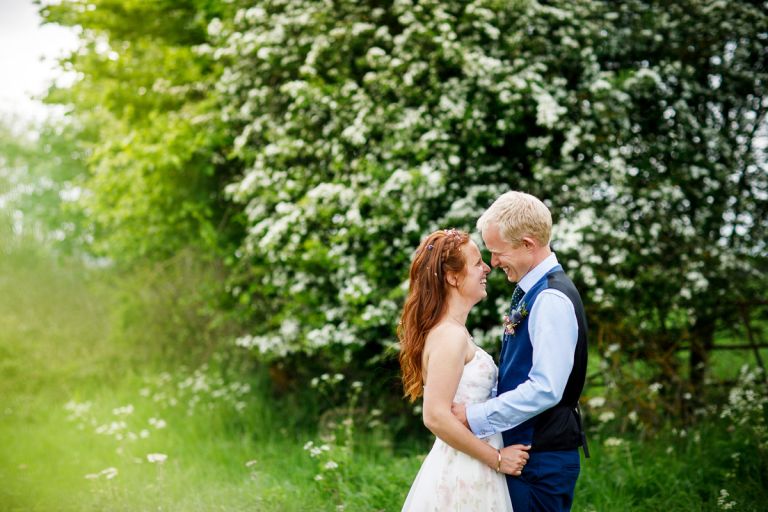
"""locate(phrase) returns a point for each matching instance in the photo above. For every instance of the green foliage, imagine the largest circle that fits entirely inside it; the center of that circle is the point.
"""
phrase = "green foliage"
(179, 302)
(346, 132)
(311, 144)
(41, 177)
(362, 127)
(673, 242)
(143, 109)
(72, 400)
(55, 323)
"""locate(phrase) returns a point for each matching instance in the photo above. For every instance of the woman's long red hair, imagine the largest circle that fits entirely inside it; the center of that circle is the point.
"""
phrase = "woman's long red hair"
(437, 255)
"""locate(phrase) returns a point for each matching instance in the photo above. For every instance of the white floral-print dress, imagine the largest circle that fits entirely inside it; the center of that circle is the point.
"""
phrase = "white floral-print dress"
(450, 480)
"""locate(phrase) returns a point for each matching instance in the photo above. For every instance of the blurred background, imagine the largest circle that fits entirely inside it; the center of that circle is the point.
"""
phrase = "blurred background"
(208, 209)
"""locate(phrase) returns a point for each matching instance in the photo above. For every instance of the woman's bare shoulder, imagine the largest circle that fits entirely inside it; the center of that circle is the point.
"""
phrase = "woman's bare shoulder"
(447, 337)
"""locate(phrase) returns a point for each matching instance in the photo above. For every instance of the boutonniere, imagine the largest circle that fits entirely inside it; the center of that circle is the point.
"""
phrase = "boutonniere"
(514, 318)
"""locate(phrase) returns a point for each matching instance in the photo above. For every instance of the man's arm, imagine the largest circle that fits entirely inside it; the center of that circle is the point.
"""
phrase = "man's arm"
(554, 331)
(446, 348)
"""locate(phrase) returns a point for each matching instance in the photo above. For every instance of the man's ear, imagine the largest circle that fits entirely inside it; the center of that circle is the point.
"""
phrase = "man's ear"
(529, 243)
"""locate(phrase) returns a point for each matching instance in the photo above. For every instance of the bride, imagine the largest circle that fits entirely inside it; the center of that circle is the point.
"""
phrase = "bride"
(439, 359)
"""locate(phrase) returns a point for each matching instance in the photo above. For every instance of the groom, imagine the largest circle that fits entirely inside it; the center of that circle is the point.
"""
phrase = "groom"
(543, 359)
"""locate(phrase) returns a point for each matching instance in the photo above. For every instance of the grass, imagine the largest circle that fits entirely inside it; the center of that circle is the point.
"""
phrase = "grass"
(218, 459)
(228, 451)
(231, 445)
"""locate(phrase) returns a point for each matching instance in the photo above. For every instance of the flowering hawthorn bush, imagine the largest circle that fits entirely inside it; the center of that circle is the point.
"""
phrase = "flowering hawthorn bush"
(334, 135)
(364, 126)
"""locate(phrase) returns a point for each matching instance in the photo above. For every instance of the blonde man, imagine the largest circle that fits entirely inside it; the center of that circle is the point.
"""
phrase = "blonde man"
(543, 361)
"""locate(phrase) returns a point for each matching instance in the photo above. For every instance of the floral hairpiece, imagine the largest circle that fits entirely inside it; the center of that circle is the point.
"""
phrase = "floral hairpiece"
(453, 232)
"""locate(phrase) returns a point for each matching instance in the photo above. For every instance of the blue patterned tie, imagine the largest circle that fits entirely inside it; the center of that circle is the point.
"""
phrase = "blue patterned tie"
(517, 296)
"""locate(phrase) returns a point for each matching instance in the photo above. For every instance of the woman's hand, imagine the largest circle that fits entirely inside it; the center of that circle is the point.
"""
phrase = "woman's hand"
(514, 458)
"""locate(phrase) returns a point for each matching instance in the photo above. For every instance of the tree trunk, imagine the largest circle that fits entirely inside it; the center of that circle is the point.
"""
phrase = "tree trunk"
(745, 316)
(702, 338)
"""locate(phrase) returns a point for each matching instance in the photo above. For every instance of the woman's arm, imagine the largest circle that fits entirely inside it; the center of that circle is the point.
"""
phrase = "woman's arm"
(446, 350)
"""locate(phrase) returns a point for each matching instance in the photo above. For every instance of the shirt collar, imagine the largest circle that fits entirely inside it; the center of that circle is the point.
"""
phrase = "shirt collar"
(537, 272)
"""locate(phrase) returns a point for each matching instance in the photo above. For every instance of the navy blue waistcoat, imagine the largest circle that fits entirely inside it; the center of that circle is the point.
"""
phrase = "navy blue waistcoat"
(558, 428)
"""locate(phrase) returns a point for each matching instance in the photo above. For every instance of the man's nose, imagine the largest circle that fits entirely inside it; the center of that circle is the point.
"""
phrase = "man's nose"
(494, 261)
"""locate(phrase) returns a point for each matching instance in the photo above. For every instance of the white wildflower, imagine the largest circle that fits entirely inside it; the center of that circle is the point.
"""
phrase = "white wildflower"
(723, 502)
(108, 474)
(77, 410)
(215, 27)
(156, 457)
(123, 411)
(606, 416)
(596, 402)
(157, 423)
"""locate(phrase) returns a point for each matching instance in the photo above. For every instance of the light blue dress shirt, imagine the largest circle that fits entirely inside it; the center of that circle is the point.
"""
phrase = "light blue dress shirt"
(553, 330)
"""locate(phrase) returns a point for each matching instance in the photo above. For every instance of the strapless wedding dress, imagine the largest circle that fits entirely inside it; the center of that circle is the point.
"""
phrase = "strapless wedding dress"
(450, 480)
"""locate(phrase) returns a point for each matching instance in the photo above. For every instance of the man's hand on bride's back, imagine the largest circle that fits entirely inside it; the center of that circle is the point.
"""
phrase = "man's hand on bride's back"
(514, 458)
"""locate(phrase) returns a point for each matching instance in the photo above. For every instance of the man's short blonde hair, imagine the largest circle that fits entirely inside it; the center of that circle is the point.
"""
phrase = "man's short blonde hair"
(518, 215)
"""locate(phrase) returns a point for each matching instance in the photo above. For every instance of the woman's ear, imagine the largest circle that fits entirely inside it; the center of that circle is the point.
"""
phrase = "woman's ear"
(452, 279)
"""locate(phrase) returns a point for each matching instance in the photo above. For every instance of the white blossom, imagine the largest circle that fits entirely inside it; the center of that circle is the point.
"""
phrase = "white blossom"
(596, 402)
(157, 458)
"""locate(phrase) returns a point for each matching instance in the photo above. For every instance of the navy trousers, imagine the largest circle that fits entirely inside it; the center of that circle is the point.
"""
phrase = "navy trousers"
(547, 482)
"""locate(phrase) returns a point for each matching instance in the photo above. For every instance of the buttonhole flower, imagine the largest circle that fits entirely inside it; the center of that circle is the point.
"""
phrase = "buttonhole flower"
(514, 318)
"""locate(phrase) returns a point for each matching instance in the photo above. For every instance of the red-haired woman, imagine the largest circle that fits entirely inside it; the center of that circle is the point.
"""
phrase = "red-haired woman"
(440, 360)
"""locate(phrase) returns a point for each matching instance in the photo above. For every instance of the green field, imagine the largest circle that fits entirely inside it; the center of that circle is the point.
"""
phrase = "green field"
(84, 409)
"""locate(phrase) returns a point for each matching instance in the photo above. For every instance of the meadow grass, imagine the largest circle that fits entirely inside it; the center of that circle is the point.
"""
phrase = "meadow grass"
(79, 406)
(66, 375)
